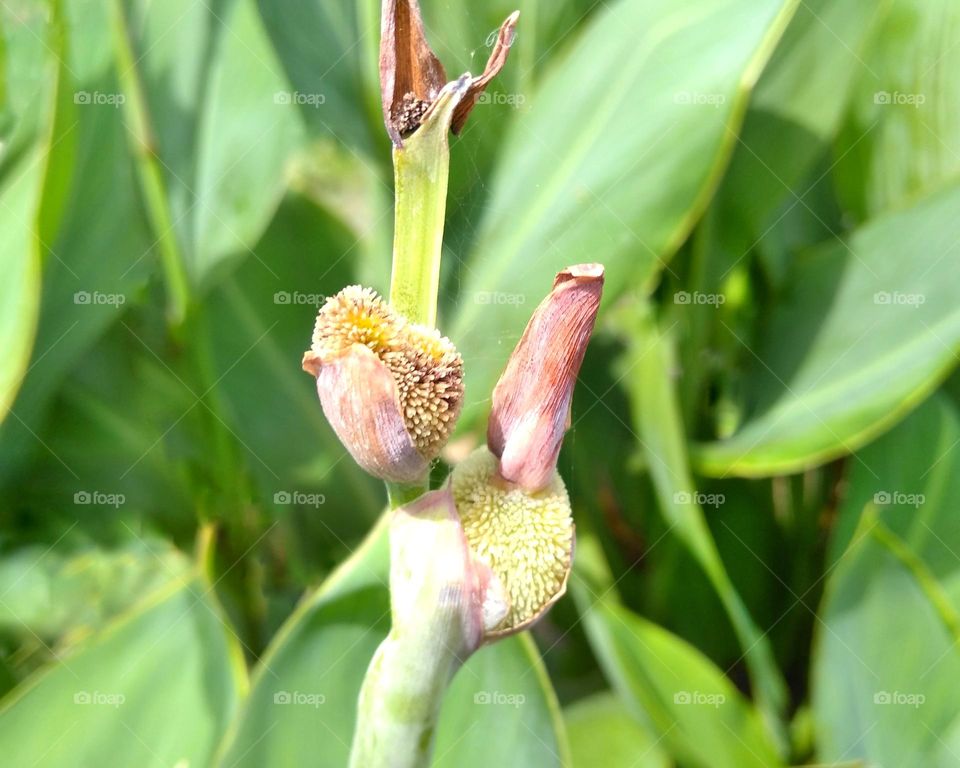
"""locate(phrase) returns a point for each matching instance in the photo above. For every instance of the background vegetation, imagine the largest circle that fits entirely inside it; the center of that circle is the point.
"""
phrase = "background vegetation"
(763, 461)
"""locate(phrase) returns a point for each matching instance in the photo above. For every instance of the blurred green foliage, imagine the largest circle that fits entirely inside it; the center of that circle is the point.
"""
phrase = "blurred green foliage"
(763, 454)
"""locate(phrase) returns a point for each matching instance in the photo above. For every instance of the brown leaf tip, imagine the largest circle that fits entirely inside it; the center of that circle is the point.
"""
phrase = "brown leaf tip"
(531, 402)
(411, 75)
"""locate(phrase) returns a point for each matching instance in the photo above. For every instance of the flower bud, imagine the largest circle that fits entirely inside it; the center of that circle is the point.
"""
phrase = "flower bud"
(525, 538)
(531, 402)
(391, 390)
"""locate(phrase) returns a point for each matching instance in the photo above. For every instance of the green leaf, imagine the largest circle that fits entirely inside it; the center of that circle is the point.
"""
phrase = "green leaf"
(302, 704)
(880, 693)
(699, 716)
(901, 138)
(646, 369)
(910, 475)
(795, 111)
(94, 264)
(215, 119)
(501, 710)
(155, 689)
(20, 265)
(249, 124)
(864, 331)
(603, 732)
(621, 148)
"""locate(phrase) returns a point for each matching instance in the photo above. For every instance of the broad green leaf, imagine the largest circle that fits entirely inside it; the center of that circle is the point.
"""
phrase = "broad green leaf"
(621, 147)
(301, 708)
(501, 710)
(248, 125)
(794, 112)
(697, 713)
(28, 89)
(20, 266)
(328, 54)
(155, 689)
(864, 331)
(911, 475)
(94, 264)
(901, 138)
(880, 693)
(27, 45)
(603, 732)
(217, 104)
(646, 369)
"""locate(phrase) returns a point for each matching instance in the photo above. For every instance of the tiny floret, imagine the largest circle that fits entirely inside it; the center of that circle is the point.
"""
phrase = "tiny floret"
(525, 538)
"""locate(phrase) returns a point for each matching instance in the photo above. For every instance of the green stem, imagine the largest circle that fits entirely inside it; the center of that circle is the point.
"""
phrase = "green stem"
(429, 563)
(400, 494)
(434, 628)
(150, 173)
(421, 167)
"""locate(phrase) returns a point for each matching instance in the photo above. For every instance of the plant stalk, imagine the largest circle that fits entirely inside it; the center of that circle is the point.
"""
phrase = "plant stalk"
(434, 628)
(420, 169)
